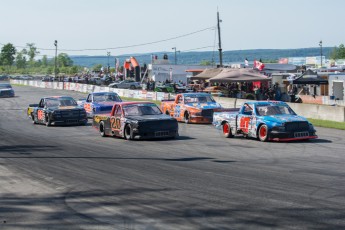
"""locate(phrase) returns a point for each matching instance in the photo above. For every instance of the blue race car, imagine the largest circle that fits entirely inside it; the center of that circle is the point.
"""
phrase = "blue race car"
(6, 90)
(265, 120)
(101, 102)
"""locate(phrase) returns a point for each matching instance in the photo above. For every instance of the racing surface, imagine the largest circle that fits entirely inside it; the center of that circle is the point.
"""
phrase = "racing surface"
(72, 178)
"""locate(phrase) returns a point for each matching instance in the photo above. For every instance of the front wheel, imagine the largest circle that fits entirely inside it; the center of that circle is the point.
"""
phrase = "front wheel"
(48, 121)
(128, 132)
(101, 129)
(263, 133)
(227, 130)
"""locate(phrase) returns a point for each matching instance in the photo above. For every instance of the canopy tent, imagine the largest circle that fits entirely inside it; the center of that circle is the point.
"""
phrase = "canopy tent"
(239, 75)
(207, 74)
(310, 77)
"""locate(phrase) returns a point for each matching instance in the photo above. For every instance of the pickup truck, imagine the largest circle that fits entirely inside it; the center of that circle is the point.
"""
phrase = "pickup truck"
(99, 102)
(191, 107)
(136, 120)
(58, 110)
(266, 121)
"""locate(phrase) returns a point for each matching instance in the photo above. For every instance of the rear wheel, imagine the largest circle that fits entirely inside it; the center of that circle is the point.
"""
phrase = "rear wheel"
(114, 86)
(33, 119)
(132, 87)
(263, 133)
(186, 118)
(227, 130)
(101, 129)
(128, 132)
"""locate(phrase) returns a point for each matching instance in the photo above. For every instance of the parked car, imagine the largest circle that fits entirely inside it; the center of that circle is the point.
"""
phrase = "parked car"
(6, 90)
(265, 120)
(126, 84)
(58, 110)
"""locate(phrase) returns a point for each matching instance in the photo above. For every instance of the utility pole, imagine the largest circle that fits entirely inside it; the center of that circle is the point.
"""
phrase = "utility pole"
(174, 48)
(55, 68)
(220, 42)
(108, 54)
(320, 44)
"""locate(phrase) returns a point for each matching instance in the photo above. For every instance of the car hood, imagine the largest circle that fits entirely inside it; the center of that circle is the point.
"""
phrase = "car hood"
(66, 108)
(104, 103)
(284, 118)
(159, 117)
(207, 105)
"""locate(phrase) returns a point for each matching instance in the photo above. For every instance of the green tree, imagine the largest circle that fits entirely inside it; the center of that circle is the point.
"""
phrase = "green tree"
(64, 60)
(32, 52)
(20, 60)
(97, 68)
(7, 54)
(44, 60)
(338, 52)
(205, 62)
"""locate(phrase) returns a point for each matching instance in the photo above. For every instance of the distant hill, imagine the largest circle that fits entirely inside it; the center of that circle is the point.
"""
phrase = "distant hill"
(195, 58)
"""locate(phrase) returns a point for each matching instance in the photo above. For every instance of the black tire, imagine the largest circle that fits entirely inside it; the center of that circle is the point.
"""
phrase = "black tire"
(167, 112)
(263, 133)
(101, 129)
(226, 128)
(114, 86)
(33, 119)
(48, 121)
(132, 87)
(186, 118)
(128, 132)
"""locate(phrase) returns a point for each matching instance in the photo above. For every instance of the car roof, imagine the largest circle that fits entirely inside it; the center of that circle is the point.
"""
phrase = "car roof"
(266, 102)
(51, 97)
(192, 94)
(103, 93)
(133, 102)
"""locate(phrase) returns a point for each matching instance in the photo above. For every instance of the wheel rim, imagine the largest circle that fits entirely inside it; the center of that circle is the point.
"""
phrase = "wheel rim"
(226, 128)
(263, 132)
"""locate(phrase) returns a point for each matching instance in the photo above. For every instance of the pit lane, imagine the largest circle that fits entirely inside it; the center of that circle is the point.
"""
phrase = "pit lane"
(71, 178)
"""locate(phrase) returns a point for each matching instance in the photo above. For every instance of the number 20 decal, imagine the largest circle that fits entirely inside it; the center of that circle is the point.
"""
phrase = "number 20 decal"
(115, 123)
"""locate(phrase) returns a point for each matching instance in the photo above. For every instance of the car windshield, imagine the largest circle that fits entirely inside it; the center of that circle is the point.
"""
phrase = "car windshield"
(270, 110)
(141, 109)
(106, 97)
(5, 86)
(198, 98)
(63, 101)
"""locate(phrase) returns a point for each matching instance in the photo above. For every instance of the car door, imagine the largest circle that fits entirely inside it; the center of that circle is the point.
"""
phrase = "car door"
(178, 108)
(40, 112)
(245, 118)
(88, 104)
(116, 120)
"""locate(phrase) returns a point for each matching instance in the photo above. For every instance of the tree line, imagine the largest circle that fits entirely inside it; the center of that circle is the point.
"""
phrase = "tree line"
(13, 61)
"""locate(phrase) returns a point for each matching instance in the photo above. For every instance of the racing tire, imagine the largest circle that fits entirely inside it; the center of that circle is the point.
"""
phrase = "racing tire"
(115, 86)
(128, 132)
(167, 113)
(227, 130)
(263, 133)
(132, 87)
(101, 129)
(186, 118)
(33, 119)
(48, 121)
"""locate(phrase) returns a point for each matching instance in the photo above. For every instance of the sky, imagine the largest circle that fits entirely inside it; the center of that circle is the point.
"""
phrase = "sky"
(128, 27)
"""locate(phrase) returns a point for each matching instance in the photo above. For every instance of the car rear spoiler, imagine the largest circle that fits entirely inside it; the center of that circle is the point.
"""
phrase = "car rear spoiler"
(168, 100)
(230, 110)
(33, 105)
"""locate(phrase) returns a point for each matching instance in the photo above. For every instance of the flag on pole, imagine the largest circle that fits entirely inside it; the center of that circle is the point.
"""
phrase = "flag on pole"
(258, 65)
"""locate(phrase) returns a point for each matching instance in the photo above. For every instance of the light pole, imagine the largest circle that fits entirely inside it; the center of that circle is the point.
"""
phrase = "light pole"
(174, 48)
(108, 54)
(55, 68)
(320, 44)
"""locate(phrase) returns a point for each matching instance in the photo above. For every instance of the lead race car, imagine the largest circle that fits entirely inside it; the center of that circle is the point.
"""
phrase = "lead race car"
(136, 120)
(265, 120)
(57, 110)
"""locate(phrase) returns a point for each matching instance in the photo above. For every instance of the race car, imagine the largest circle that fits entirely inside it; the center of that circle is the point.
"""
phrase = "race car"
(100, 102)
(192, 107)
(6, 90)
(266, 121)
(136, 120)
(57, 110)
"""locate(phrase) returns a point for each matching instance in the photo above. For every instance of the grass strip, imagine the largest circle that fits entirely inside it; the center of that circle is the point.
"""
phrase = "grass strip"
(327, 124)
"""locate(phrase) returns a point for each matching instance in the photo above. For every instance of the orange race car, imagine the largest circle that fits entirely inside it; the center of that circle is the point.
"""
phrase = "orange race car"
(192, 107)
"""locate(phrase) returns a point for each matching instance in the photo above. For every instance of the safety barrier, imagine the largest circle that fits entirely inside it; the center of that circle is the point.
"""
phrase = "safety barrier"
(323, 112)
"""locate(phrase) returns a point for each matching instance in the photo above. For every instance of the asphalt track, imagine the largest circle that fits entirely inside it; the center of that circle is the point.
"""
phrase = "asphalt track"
(72, 178)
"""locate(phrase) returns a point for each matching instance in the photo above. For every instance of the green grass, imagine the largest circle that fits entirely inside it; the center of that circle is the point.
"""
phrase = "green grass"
(327, 124)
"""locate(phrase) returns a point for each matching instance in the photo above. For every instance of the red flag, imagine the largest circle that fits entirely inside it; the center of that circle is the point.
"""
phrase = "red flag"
(258, 65)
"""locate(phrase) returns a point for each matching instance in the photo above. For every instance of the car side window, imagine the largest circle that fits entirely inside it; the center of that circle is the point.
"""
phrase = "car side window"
(248, 110)
(41, 104)
(118, 111)
(89, 98)
(179, 100)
